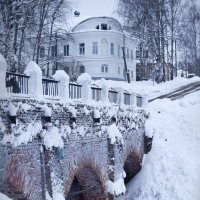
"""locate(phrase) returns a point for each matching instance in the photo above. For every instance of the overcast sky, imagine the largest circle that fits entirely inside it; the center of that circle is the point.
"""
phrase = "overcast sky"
(93, 8)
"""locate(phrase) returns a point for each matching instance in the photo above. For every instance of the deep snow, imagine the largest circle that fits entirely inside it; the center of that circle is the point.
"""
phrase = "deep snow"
(171, 171)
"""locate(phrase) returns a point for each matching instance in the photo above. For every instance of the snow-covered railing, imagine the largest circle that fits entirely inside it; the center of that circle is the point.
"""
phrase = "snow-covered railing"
(50, 87)
(112, 95)
(32, 85)
(74, 90)
(127, 98)
(16, 83)
(96, 92)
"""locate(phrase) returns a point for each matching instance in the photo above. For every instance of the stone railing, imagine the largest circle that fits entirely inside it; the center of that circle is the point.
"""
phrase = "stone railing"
(32, 85)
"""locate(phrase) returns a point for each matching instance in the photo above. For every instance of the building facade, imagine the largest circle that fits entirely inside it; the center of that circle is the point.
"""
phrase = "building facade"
(97, 45)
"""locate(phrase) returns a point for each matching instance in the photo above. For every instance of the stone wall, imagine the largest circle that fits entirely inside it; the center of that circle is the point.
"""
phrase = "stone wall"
(33, 168)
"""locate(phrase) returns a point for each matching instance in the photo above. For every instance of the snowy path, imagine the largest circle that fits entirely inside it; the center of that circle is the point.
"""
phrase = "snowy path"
(171, 171)
(180, 92)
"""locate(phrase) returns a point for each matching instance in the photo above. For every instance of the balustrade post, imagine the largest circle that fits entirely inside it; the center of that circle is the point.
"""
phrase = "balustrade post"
(63, 84)
(120, 95)
(3, 67)
(85, 80)
(133, 99)
(35, 80)
(105, 91)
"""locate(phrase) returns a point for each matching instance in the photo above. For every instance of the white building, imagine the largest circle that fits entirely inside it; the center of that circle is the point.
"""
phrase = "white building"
(97, 44)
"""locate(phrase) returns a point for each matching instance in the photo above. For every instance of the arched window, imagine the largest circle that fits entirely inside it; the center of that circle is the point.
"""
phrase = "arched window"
(104, 68)
(104, 47)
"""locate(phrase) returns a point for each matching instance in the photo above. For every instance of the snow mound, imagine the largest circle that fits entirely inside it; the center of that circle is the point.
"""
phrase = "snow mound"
(114, 134)
(171, 169)
(84, 77)
(117, 187)
(52, 137)
(4, 197)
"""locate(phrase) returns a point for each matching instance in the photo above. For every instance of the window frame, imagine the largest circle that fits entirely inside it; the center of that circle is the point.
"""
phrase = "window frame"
(81, 48)
(94, 48)
(112, 49)
(104, 68)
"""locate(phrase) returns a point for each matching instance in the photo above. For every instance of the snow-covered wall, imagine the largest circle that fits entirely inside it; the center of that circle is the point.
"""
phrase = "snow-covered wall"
(51, 143)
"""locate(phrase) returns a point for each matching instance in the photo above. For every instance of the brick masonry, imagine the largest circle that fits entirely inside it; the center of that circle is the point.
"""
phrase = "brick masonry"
(28, 171)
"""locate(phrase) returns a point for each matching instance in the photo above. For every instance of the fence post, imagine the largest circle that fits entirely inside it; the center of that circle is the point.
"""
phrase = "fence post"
(105, 90)
(35, 80)
(144, 100)
(120, 96)
(3, 67)
(85, 80)
(133, 99)
(63, 84)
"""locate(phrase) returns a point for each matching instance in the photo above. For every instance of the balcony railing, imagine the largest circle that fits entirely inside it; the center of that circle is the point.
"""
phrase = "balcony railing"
(96, 92)
(17, 83)
(74, 90)
(50, 87)
(112, 95)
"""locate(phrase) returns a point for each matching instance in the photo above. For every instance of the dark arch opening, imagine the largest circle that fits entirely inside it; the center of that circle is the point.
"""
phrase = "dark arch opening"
(75, 191)
(132, 166)
(86, 186)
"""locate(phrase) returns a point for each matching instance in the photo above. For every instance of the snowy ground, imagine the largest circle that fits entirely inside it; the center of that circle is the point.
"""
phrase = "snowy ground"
(171, 171)
(4, 197)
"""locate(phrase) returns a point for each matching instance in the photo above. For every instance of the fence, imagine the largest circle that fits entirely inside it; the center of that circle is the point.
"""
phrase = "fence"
(74, 91)
(17, 83)
(112, 95)
(50, 87)
(96, 92)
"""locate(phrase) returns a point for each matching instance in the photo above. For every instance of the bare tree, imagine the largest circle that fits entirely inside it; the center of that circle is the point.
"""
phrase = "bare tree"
(153, 22)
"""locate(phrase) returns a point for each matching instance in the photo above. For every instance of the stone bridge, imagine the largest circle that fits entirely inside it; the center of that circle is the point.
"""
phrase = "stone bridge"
(56, 149)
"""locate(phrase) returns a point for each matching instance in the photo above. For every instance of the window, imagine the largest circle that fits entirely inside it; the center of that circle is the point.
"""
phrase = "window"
(82, 69)
(42, 52)
(97, 27)
(104, 27)
(112, 48)
(119, 50)
(81, 48)
(118, 70)
(94, 48)
(104, 47)
(54, 51)
(104, 68)
(128, 56)
(66, 50)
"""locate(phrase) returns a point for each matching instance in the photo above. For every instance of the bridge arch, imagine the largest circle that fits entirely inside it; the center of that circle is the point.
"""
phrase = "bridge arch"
(132, 165)
(86, 185)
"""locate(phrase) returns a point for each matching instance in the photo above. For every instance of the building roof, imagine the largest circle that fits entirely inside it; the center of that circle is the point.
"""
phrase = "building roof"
(93, 23)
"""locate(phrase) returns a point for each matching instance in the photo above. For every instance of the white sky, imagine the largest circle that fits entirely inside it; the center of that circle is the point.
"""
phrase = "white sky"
(93, 8)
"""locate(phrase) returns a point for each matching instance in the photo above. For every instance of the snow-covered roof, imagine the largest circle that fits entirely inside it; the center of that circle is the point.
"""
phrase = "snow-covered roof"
(94, 23)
